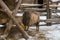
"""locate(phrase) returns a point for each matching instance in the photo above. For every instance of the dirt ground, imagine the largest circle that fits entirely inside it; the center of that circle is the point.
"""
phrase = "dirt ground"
(16, 35)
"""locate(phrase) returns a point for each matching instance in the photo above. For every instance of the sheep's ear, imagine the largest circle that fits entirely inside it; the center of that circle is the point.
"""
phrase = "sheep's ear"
(16, 0)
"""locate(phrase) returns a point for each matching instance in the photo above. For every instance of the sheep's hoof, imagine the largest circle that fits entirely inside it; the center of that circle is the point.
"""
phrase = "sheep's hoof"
(27, 28)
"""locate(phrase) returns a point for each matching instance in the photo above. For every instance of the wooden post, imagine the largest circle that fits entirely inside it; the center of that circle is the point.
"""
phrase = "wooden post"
(17, 7)
(9, 13)
(48, 12)
(8, 27)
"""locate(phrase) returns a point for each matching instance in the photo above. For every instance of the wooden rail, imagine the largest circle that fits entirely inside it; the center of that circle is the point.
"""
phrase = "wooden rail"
(56, 20)
(32, 5)
(54, 6)
(35, 9)
(36, 5)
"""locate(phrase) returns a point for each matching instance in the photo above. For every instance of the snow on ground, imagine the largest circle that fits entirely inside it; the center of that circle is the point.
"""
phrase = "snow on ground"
(19, 14)
(51, 32)
(55, 0)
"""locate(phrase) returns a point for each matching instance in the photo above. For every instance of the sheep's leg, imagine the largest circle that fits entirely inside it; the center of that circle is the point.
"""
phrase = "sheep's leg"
(37, 26)
(27, 27)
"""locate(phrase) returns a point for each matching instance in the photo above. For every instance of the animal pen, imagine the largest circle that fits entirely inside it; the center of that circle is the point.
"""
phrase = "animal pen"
(10, 8)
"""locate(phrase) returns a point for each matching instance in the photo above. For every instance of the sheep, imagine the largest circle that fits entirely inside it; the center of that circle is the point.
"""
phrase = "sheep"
(30, 18)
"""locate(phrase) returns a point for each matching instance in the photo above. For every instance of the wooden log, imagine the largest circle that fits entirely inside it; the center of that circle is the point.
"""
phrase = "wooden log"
(9, 13)
(32, 5)
(48, 12)
(17, 7)
(56, 20)
(7, 30)
(54, 6)
(35, 9)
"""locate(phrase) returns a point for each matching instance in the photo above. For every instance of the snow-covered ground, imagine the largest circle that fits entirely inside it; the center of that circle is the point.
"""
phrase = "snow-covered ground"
(51, 32)
(55, 0)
